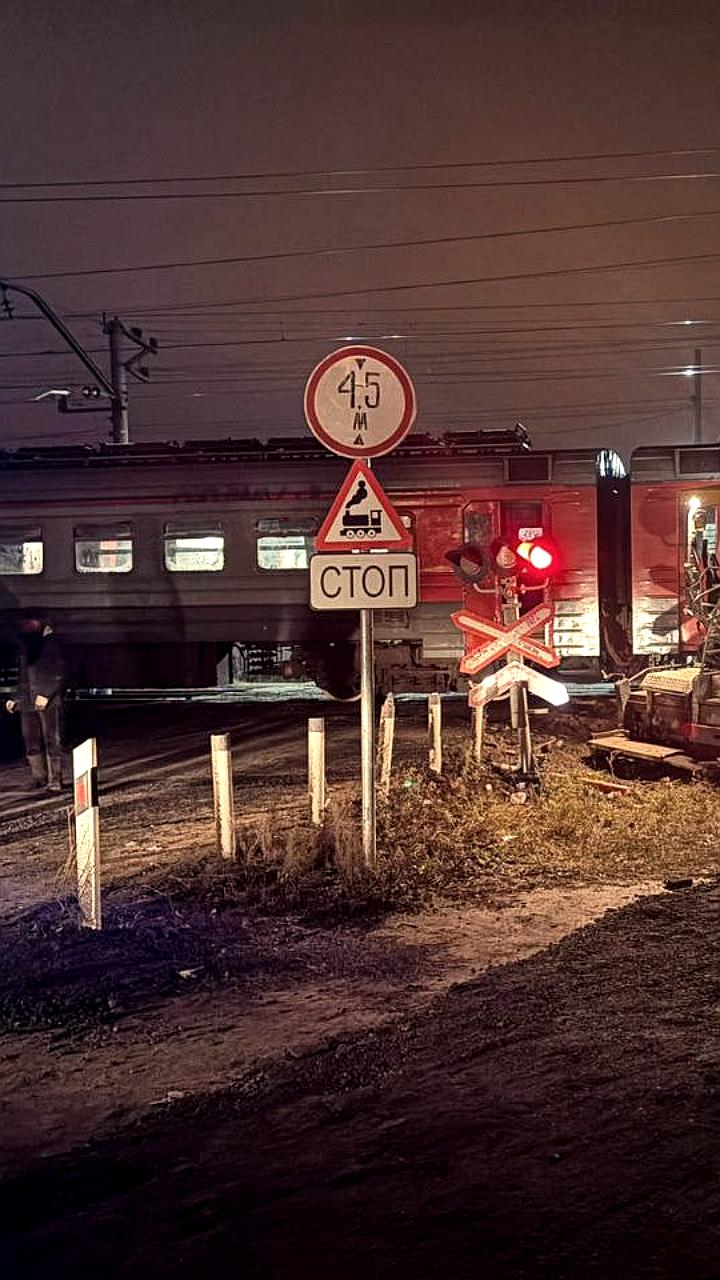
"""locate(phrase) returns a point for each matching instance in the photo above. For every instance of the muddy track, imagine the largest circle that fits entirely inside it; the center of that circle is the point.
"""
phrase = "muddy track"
(554, 1118)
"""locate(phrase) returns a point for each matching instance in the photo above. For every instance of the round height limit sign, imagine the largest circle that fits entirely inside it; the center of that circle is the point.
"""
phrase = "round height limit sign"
(359, 402)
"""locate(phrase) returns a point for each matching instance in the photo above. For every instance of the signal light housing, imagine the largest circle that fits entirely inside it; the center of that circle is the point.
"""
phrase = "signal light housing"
(470, 563)
(533, 561)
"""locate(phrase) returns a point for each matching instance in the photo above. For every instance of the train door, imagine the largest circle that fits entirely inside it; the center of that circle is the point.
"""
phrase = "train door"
(701, 570)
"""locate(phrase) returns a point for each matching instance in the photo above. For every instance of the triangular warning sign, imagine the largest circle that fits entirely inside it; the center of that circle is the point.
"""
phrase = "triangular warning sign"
(362, 517)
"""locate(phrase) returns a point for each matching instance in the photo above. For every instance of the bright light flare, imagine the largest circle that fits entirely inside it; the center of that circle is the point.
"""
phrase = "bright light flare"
(536, 555)
(540, 558)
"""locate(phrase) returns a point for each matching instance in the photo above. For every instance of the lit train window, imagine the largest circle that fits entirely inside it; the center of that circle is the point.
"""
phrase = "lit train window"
(103, 549)
(284, 551)
(285, 543)
(194, 550)
(21, 551)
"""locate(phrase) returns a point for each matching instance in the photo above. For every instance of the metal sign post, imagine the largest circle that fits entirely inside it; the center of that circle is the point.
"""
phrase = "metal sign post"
(512, 638)
(360, 403)
(519, 711)
(367, 736)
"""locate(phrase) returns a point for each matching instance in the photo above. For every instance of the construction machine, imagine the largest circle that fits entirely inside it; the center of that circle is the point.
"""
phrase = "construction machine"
(670, 716)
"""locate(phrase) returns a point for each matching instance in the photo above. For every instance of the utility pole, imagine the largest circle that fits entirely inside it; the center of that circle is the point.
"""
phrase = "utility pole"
(120, 433)
(115, 387)
(697, 397)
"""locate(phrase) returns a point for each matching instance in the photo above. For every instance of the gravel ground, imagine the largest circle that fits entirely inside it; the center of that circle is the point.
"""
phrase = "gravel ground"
(558, 1118)
(228, 1083)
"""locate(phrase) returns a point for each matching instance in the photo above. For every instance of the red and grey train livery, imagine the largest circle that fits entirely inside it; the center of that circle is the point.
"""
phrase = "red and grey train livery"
(157, 563)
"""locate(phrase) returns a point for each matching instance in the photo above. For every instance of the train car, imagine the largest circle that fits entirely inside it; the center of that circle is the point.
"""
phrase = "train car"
(157, 563)
(675, 501)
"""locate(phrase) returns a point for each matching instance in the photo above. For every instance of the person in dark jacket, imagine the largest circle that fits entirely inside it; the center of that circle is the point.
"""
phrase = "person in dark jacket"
(43, 678)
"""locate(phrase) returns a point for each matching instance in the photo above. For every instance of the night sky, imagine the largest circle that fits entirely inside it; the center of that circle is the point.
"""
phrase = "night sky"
(321, 98)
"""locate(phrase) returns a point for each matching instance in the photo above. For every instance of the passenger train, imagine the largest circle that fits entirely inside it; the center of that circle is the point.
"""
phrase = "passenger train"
(183, 564)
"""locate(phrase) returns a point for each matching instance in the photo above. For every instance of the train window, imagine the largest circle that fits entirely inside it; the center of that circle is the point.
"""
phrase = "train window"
(103, 548)
(527, 516)
(284, 543)
(21, 551)
(698, 462)
(528, 468)
(194, 550)
(284, 551)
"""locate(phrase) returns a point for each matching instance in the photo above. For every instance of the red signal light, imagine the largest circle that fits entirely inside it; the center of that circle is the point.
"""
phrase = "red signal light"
(539, 557)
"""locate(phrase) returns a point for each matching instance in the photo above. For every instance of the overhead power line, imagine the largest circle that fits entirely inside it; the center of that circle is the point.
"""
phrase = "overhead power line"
(455, 283)
(191, 310)
(338, 250)
(350, 173)
(382, 189)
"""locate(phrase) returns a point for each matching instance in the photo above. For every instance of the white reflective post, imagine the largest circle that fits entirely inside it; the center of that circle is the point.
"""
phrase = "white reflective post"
(385, 751)
(316, 770)
(87, 833)
(223, 796)
(435, 732)
(478, 714)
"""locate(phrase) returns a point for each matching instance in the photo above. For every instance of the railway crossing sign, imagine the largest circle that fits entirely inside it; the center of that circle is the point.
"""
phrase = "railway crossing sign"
(497, 640)
(359, 402)
(512, 674)
(362, 517)
(363, 582)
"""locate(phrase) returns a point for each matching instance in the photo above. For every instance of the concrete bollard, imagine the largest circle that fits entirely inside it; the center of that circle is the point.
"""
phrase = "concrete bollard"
(385, 744)
(435, 732)
(223, 794)
(316, 770)
(87, 833)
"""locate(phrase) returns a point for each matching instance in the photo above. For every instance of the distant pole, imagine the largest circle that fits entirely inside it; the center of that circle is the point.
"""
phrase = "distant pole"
(120, 433)
(697, 398)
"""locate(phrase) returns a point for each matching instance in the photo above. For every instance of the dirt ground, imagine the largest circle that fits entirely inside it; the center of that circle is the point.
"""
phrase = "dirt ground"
(520, 1083)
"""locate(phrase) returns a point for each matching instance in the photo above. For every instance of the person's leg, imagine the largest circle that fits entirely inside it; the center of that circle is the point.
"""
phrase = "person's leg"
(52, 725)
(32, 732)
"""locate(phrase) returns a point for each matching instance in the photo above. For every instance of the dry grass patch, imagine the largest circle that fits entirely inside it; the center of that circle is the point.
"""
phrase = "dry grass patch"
(454, 836)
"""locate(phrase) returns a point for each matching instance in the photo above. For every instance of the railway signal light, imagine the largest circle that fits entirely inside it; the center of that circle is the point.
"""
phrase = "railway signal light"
(538, 560)
(504, 558)
(470, 563)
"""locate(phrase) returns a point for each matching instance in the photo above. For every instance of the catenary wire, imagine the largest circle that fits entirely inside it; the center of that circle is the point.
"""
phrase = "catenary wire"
(340, 250)
(393, 168)
(358, 191)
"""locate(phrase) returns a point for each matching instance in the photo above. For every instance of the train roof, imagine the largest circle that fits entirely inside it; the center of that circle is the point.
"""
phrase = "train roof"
(278, 448)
